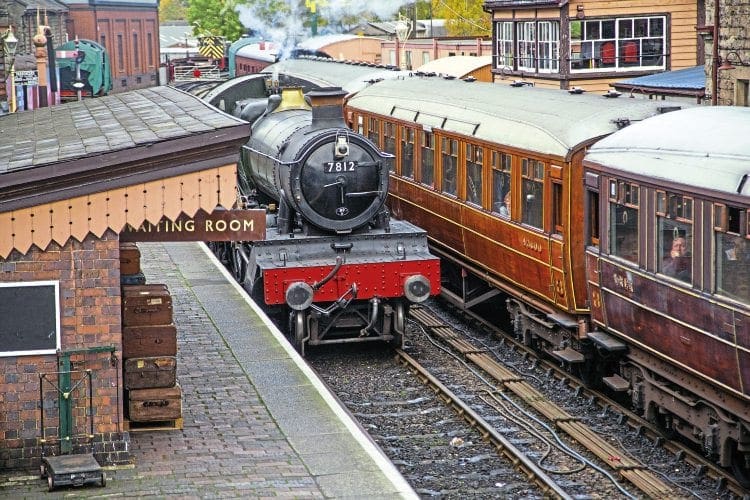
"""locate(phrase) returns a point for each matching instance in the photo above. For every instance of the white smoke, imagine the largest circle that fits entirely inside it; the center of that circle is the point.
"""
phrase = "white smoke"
(286, 29)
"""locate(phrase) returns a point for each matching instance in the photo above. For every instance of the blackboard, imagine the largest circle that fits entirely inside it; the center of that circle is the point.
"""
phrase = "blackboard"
(29, 317)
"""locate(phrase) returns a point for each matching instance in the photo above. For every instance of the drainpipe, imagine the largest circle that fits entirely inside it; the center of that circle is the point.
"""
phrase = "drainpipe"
(715, 58)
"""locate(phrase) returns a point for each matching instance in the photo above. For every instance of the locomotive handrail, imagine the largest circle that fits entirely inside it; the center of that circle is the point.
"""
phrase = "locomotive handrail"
(364, 193)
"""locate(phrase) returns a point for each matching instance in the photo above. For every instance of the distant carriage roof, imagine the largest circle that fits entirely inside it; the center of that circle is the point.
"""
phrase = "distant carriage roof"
(706, 147)
(546, 121)
(350, 77)
(458, 66)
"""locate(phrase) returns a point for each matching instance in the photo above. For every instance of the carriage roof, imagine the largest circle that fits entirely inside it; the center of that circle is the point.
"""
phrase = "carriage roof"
(705, 147)
(545, 121)
(323, 72)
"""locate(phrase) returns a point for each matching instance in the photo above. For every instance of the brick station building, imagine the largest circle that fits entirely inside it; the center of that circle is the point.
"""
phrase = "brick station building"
(71, 178)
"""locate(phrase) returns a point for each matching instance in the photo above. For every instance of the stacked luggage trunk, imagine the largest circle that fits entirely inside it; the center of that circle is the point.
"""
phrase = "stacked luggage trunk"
(149, 351)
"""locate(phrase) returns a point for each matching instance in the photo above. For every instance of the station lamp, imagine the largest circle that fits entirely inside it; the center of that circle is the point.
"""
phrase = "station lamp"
(10, 43)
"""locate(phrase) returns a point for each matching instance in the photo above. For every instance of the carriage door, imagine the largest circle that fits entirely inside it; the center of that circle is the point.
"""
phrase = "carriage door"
(557, 250)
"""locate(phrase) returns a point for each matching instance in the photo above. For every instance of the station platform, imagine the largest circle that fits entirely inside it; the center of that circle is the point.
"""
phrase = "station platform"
(256, 421)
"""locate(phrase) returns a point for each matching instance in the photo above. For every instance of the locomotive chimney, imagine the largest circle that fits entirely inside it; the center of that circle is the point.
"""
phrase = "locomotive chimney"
(327, 107)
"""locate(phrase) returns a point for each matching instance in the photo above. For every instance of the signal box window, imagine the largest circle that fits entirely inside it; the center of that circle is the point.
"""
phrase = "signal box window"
(501, 175)
(373, 131)
(449, 156)
(407, 153)
(428, 159)
(618, 43)
(674, 216)
(732, 254)
(474, 156)
(623, 220)
(532, 185)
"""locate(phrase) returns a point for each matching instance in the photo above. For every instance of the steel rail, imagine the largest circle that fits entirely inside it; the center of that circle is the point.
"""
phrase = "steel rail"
(520, 461)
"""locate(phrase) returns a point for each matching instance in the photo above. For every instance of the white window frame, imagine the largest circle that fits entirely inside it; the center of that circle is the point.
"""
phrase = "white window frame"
(549, 46)
(526, 32)
(504, 44)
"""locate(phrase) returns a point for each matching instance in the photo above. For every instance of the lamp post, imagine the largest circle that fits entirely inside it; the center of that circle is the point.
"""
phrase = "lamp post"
(187, 50)
(10, 42)
(403, 30)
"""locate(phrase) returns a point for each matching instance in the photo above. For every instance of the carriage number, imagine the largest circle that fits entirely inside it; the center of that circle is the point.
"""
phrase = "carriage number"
(335, 167)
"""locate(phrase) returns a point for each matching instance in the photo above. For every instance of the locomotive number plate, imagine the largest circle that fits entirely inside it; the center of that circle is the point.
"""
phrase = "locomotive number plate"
(337, 167)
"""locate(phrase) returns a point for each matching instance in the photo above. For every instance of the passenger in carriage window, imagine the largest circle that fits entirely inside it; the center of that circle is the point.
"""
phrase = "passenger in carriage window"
(504, 209)
(677, 263)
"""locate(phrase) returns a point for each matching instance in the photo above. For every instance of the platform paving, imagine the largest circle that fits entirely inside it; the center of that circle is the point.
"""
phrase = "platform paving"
(257, 423)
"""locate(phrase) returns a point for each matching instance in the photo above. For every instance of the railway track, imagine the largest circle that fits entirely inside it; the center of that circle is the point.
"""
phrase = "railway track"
(617, 460)
(697, 474)
(486, 445)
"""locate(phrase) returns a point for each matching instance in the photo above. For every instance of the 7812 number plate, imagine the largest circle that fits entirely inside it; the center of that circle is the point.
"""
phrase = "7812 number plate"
(337, 167)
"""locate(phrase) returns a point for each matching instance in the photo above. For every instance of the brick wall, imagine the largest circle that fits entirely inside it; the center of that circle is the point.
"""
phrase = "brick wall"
(130, 36)
(90, 323)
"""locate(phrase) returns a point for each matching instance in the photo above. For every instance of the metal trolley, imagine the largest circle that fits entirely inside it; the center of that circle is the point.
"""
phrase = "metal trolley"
(68, 468)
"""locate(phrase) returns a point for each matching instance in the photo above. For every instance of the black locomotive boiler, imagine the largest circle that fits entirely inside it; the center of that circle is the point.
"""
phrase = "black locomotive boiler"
(333, 267)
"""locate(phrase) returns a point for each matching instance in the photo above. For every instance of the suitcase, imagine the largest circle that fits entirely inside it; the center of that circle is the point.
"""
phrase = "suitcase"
(146, 305)
(149, 341)
(130, 258)
(150, 373)
(150, 405)
(132, 279)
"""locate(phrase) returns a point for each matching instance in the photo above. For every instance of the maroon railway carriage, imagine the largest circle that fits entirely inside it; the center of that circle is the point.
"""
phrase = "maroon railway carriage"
(494, 174)
(675, 188)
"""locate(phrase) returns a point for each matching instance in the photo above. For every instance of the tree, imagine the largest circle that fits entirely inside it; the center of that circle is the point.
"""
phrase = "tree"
(172, 10)
(463, 17)
(216, 18)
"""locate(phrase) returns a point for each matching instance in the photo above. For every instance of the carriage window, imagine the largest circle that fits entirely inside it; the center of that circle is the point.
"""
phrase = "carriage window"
(557, 207)
(373, 131)
(532, 172)
(732, 254)
(474, 174)
(389, 136)
(593, 217)
(623, 220)
(449, 156)
(675, 235)
(428, 159)
(501, 165)
(360, 125)
(407, 153)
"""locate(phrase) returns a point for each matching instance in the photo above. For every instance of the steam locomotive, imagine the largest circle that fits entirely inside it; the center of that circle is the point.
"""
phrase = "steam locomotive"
(334, 266)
